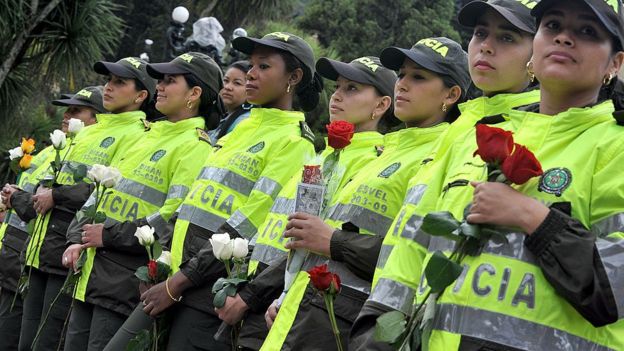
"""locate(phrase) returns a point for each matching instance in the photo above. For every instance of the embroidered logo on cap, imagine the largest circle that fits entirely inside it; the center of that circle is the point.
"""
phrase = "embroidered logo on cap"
(614, 4)
(84, 93)
(279, 35)
(529, 4)
(186, 57)
(434, 45)
(370, 64)
(134, 62)
(555, 181)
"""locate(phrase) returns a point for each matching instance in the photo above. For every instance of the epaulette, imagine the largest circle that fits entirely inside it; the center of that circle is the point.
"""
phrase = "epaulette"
(619, 117)
(202, 135)
(491, 119)
(379, 149)
(306, 132)
(146, 124)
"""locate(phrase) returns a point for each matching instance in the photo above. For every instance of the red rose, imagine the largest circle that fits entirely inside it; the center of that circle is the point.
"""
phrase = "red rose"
(339, 134)
(521, 166)
(323, 280)
(152, 269)
(494, 144)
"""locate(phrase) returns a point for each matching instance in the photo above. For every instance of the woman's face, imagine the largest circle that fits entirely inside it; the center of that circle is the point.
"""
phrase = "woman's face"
(572, 51)
(498, 54)
(353, 102)
(418, 94)
(233, 92)
(173, 94)
(267, 79)
(121, 95)
(83, 113)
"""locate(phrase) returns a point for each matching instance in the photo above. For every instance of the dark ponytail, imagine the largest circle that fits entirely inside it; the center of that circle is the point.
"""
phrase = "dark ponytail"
(308, 91)
(149, 104)
(210, 106)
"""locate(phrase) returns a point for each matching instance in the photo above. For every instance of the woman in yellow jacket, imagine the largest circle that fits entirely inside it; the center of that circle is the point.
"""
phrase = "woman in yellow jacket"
(238, 183)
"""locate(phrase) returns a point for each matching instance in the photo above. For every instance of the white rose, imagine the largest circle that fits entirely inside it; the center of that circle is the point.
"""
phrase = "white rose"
(145, 234)
(75, 126)
(16, 153)
(221, 246)
(165, 257)
(96, 173)
(240, 248)
(111, 177)
(58, 139)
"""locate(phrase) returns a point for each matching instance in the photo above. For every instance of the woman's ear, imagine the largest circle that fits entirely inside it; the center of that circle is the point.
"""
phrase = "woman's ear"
(195, 93)
(382, 106)
(295, 77)
(143, 95)
(616, 63)
(454, 94)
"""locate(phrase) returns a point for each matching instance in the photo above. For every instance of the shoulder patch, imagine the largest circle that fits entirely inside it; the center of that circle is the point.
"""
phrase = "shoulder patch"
(492, 119)
(386, 173)
(146, 124)
(379, 149)
(306, 132)
(202, 135)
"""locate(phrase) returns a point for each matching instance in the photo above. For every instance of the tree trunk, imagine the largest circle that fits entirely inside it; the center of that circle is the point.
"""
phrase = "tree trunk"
(21, 38)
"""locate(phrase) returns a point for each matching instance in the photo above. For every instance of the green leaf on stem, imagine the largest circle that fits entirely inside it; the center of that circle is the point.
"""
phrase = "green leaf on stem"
(99, 217)
(219, 299)
(81, 261)
(89, 211)
(471, 230)
(441, 272)
(142, 274)
(163, 271)
(441, 224)
(156, 249)
(390, 327)
(79, 173)
(142, 341)
(219, 284)
(493, 234)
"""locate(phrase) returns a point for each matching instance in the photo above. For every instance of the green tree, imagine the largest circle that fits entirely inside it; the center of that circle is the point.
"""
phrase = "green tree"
(365, 27)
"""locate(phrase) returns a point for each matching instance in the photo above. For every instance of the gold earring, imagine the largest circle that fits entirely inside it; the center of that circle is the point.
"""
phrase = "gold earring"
(444, 108)
(529, 67)
(607, 80)
(288, 89)
(136, 101)
(373, 117)
(189, 104)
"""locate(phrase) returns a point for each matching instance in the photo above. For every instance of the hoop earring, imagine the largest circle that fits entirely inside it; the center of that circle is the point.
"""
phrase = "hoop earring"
(607, 80)
(529, 68)
(189, 104)
(288, 89)
(373, 117)
(444, 108)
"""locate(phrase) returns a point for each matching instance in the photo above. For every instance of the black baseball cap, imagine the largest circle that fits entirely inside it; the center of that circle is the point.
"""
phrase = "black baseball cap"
(440, 55)
(518, 13)
(282, 41)
(129, 67)
(89, 97)
(200, 65)
(609, 13)
(364, 70)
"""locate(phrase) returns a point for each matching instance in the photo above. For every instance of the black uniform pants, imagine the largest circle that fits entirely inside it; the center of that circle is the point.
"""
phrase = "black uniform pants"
(42, 290)
(91, 327)
(193, 330)
(137, 321)
(10, 320)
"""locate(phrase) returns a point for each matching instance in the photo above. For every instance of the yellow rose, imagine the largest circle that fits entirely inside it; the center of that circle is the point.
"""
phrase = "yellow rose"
(28, 145)
(24, 163)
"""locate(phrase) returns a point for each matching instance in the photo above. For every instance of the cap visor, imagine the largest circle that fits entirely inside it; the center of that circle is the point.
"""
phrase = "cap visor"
(158, 70)
(105, 68)
(74, 102)
(332, 69)
(470, 14)
(247, 45)
(393, 59)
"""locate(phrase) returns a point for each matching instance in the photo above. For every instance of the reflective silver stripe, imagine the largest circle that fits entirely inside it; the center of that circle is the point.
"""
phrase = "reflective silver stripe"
(612, 256)
(507, 330)
(412, 231)
(268, 186)
(362, 217)
(16, 222)
(141, 191)
(282, 205)
(415, 193)
(347, 277)
(266, 254)
(609, 225)
(200, 217)
(242, 224)
(228, 178)
(394, 295)
(177, 192)
(156, 221)
(31, 169)
(29, 187)
(384, 253)
(66, 166)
